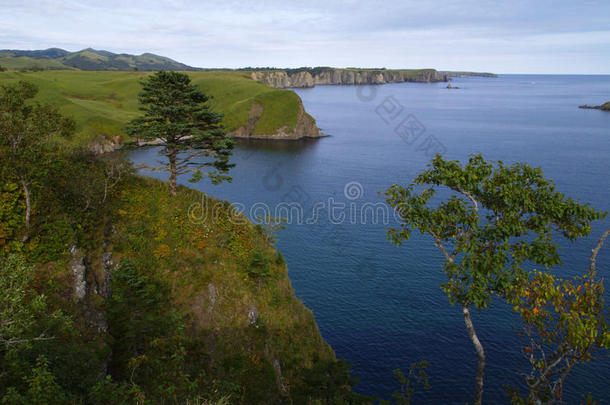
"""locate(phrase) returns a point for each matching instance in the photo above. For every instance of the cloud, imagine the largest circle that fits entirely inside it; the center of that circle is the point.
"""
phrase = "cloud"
(447, 34)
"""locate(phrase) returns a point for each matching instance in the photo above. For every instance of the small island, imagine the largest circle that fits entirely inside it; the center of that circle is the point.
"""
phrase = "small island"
(604, 107)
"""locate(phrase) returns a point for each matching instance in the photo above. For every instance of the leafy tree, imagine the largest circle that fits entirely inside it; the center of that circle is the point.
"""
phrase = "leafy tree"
(565, 326)
(24, 314)
(175, 111)
(41, 388)
(495, 219)
(25, 128)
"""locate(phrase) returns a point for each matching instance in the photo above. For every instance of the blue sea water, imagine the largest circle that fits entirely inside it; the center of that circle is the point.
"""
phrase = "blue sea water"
(380, 306)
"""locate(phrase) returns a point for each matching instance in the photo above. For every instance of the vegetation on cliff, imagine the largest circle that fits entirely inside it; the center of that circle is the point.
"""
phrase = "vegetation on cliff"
(125, 295)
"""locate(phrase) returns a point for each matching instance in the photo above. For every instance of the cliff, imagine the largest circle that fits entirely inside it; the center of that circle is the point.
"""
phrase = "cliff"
(322, 76)
(304, 126)
(168, 300)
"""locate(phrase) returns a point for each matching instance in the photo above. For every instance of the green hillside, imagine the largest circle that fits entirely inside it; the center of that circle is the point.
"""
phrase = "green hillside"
(102, 103)
(28, 63)
(116, 293)
(86, 59)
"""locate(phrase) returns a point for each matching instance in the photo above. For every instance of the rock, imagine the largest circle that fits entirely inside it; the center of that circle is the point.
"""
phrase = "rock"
(105, 291)
(252, 316)
(301, 79)
(282, 80)
(79, 272)
(279, 378)
(212, 294)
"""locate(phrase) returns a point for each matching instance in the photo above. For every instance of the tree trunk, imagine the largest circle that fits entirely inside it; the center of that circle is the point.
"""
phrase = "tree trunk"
(28, 210)
(478, 388)
(171, 153)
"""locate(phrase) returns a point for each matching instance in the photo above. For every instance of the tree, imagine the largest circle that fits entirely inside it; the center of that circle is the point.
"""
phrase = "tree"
(495, 219)
(25, 316)
(565, 326)
(175, 111)
(25, 128)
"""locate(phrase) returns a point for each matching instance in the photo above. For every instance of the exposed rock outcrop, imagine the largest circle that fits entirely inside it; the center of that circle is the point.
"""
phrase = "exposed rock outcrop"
(252, 316)
(79, 273)
(303, 78)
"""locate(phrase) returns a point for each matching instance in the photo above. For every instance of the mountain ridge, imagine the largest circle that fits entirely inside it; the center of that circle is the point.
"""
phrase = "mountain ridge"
(87, 59)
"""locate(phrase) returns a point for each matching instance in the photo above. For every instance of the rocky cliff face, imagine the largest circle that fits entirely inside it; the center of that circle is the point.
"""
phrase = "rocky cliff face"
(281, 79)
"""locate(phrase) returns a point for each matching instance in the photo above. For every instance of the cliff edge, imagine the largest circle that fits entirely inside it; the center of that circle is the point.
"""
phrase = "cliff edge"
(306, 77)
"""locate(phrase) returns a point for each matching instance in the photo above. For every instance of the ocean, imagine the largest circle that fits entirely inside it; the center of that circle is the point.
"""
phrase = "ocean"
(380, 306)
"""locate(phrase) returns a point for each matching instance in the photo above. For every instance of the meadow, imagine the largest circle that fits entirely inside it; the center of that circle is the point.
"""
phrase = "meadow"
(103, 102)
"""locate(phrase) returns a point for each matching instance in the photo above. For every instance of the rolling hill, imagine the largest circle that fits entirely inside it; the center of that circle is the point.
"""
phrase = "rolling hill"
(102, 103)
(86, 59)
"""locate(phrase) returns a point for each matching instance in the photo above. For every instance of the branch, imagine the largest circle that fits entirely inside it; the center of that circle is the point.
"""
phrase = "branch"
(595, 251)
(439, 243)
(467, 194)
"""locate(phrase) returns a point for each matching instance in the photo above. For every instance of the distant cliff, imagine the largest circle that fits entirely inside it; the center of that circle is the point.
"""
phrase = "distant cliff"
(604, 107)
(320, 76)
(466, 74)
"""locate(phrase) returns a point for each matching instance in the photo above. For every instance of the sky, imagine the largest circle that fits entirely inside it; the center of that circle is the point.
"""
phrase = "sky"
(536, 36)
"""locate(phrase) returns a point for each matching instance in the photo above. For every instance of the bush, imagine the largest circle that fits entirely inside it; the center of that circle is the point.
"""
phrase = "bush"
(260, 264)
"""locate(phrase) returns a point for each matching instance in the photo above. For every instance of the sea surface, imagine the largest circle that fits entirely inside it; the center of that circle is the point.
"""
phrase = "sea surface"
(378, 305)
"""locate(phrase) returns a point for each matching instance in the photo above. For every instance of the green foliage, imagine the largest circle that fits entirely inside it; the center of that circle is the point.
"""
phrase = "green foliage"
(269, 226)
(24, 314)
(42, 388)
(27, 322)
(260, 264)
(24, 131)
(565, 326)
(177, 112)
(146, 331)
(279, 259)
(12, 211)
(495, 220)
(109, 392)
(418, 372)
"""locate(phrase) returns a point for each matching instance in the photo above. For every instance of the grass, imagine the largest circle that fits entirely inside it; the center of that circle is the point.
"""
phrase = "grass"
(103, 102)
(191, 252)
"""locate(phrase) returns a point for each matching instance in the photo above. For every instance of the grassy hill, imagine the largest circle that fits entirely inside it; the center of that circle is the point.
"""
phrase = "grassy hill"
(175, 306)
(86, 59)
(103, 102)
